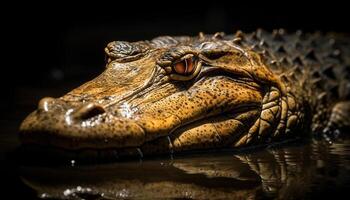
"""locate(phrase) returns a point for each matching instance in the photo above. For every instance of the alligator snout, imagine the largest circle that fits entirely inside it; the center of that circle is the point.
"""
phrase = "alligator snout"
(88, 124)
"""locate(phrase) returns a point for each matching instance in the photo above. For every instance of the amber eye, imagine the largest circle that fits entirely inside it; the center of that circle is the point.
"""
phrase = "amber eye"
(185, 66)
(184, 69)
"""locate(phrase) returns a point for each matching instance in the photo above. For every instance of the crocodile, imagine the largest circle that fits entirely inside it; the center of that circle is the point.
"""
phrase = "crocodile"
(206, 92)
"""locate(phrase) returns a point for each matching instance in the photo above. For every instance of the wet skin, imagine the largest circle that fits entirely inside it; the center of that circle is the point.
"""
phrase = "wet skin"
(174, 94)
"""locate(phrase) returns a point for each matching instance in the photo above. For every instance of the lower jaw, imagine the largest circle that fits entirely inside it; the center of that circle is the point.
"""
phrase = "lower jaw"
(46, 155)
(37, 155)
(54, 156)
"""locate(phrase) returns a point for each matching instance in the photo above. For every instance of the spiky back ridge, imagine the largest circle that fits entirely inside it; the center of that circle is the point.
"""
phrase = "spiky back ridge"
(316, 61)
(315, 66)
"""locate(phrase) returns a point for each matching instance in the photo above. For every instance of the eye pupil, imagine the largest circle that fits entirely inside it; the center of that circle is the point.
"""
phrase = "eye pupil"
(190, 65)
(180, 67)
(184, 67)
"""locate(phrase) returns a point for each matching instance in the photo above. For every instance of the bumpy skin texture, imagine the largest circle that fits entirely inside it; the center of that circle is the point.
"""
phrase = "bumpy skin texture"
(173, 94)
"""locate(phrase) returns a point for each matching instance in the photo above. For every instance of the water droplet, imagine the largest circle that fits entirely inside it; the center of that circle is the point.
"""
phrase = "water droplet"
(67, 192)
(72, 162)
(44, 195)
(125, 110)
(124, 193)
(68, 117)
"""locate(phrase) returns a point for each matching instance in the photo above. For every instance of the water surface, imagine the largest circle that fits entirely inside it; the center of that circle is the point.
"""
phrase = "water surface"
(302, 170)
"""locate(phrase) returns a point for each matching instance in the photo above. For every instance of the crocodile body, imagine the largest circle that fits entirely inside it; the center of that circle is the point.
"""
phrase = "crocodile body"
(174, 94)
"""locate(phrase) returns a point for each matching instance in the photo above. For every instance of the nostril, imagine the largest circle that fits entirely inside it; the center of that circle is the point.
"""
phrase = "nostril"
(44, 103)
(88, 111)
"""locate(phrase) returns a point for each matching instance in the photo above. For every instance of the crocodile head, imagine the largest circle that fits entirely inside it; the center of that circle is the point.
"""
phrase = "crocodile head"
(175, 93)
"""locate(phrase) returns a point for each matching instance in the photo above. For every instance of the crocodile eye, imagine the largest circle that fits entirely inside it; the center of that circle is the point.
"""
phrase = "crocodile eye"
(181, 63)
(185, 66)
(184, 69)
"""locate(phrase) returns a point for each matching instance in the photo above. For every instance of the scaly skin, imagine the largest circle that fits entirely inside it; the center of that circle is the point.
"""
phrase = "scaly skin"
(174, 94)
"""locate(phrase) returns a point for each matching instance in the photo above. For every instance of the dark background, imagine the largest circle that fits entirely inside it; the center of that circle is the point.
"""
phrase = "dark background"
(54, 47)
(50, 48)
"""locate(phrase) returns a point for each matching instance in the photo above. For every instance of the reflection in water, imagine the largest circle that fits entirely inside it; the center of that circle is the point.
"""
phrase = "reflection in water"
(289, 172)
